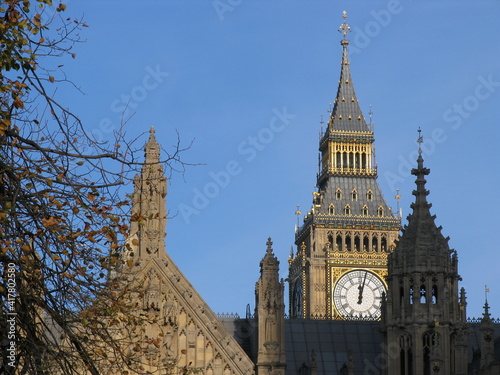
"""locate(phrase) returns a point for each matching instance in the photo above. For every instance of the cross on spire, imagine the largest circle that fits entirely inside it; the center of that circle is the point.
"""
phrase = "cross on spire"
(344, 28)
(269, 244)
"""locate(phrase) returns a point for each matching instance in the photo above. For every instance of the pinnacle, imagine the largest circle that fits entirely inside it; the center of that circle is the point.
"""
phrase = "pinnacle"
(346, 114)
(152, 148)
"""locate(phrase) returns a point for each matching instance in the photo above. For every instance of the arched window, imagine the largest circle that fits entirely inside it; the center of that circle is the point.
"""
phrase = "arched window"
(356, 160)
(383, 244)
(363, 160)
(354, 195)
(331, 209)
(338, 160)
(434, 298)
(405, 353)
(369, 196)
(347, 210)
(338, 194)
(380, 211)
(348, 243)
(366, 243)
(338, 243)
(330, 241)
(411, 295)
(357, 243)
(423, 297)
(364, 210)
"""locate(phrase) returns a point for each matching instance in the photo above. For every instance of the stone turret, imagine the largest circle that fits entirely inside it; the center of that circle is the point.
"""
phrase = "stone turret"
(424, 317)
(149, 213)
(486, 328)
(270, 314)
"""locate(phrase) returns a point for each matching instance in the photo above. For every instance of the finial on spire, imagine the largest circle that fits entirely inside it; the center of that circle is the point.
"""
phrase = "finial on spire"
(398, 198)
(486, 314)
(152, 148)
(344, 28)
(269, 244)
(420, 140)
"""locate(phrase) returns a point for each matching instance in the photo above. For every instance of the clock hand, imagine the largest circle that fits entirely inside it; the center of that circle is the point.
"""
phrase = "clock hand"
(361, 287)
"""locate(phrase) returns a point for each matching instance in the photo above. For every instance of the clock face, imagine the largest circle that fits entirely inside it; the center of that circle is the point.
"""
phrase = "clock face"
(358, 294)
(297, 299)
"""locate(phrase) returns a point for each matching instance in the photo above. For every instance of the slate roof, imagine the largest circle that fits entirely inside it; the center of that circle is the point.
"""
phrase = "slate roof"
(356, 217)
(346, 113)
(332, 340)
(362, 185)
(422, 240)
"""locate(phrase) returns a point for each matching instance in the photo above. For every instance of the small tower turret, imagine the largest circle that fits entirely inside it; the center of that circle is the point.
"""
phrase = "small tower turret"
(423, 313)
(486, 328)
(149, 214)
(270, 314)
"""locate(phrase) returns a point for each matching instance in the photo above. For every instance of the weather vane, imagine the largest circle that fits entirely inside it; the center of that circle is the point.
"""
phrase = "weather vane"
(344, 28)
(420, 140)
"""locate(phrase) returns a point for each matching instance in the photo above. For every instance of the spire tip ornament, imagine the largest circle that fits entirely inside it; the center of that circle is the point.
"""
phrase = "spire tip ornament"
(420, 140)
(344, 28)
(269, 244)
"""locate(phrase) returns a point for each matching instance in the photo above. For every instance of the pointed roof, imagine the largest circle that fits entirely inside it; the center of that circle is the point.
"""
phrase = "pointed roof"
(346, 114)
(173, 316)
(269, 262)
(170, 310)
(152, 148)
(149, 214)
(422, 243)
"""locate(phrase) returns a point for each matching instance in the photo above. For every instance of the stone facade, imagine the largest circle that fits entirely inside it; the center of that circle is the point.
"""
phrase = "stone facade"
(175, 332)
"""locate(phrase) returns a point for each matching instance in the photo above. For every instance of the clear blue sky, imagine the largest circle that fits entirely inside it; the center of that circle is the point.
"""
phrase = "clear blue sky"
(226, 72)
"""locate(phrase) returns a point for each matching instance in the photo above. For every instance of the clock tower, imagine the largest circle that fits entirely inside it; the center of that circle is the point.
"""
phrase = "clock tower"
(338, 270)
